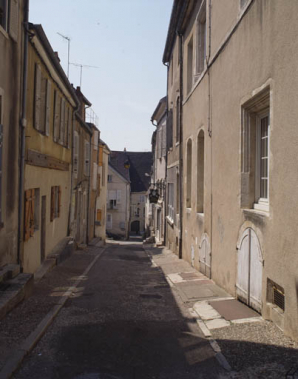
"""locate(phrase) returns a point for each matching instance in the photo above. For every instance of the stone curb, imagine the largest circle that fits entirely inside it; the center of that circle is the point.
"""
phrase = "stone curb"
(14, 362)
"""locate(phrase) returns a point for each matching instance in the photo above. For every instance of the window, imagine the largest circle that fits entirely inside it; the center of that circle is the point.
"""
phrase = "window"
(142, 199)
(109, 178)
(1, 153)
(200, 172)
(4, 14)
(31, 212)
(42, 98)
(188, 173)
(112, 199)
(109, 221)
(201, 40)
(171, 201)
(178, 119)
(55, 202)
(87, 158)
(62, 120)
(170, 129)
(255, 147)
(190, 65)
(76, 154)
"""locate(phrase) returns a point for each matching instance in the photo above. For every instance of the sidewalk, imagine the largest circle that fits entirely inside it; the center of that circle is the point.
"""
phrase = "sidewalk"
(251, 346)
(21, 329)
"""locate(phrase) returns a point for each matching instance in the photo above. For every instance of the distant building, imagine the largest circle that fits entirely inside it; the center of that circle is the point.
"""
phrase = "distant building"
(128, 182)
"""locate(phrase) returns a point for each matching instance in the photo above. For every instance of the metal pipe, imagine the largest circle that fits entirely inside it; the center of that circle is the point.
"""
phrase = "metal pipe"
(181, 149)
(22, 130)
(166, 166)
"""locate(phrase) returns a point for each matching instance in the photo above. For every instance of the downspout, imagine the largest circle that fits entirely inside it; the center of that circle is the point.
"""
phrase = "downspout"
(89, 189)
(166, 163)
(210, 134)
(181, 149)
(22, 130)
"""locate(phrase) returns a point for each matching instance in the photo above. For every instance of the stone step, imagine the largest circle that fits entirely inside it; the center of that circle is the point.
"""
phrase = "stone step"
(9, 271)
(14, 291)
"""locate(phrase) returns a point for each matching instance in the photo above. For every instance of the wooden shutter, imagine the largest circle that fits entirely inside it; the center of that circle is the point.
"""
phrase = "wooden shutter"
(170, 129)
(100, 156)
(118, 196)
(98, 215)
(94, 179)
(87, 158)
(37, 97)
(76, 154)
(52, 203)
(62, 122)
(48, 108)
(65, 137)
(29, 214)
(69, 128)
(59, 201)
(1, 148)
(56, 117)
(14, 19)
(99, 177)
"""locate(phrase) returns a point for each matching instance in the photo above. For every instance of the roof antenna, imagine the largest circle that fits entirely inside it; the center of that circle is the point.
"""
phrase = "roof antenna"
(68, 41)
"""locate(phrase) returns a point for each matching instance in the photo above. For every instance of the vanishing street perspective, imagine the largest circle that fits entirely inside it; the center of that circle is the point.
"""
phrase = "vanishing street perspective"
(148, 221)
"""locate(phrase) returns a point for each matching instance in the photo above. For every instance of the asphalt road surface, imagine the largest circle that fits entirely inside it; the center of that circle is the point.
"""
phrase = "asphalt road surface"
(123, 322)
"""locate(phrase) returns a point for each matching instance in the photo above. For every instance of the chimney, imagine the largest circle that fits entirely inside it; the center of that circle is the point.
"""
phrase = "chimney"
(57, 55)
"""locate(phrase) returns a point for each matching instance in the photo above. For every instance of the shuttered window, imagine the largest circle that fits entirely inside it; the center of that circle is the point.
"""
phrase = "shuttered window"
(98, 214)
(55, 202)
(100, 156)
(87, 158)
(29, 214)
(76, 154)
(48, 109)
(69, 128)
(56, 116)
(62, 122)
(37, 97)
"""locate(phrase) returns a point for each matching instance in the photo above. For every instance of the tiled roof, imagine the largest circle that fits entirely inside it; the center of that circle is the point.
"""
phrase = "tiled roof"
(140, 164)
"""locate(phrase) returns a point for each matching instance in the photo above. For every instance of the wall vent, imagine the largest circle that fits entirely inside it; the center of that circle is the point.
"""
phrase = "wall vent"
(275, 294)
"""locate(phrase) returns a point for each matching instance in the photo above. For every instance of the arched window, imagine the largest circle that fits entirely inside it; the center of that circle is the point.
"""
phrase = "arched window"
(178, 119)
(189, 173)
(200, 172)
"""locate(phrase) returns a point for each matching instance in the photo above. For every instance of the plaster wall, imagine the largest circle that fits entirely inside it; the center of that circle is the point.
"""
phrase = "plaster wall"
(261, 53)
(56, 230)
(11, 66)
(121, 214)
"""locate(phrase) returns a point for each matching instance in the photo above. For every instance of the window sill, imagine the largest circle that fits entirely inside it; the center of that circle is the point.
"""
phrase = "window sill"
(200, 216)
(188, 210)
(261, 206)
(170, 221)
(4, 32)
(177, 143)
(256, 212)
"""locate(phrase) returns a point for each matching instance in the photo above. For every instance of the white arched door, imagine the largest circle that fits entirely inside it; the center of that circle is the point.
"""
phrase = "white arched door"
(205, 256)
(250, 269)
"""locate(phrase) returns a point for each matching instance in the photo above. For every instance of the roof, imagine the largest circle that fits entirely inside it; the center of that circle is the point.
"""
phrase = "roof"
(162, 103)
(178, 13)
(140, 165)
(38, 30)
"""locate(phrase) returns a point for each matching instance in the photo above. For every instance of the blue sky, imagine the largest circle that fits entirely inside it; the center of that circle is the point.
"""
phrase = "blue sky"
(125, 39)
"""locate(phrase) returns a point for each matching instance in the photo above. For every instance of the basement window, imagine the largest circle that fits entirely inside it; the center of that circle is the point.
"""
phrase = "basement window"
(275, 294)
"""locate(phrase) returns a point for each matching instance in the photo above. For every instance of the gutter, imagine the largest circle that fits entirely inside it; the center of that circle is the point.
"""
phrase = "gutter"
(22, 130)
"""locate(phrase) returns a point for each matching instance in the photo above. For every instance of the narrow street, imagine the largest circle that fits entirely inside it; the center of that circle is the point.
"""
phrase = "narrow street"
(123, 321)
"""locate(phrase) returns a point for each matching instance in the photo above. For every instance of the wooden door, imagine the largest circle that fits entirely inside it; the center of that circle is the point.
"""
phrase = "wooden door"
(250, 270)
(43, 228)
(205, 256)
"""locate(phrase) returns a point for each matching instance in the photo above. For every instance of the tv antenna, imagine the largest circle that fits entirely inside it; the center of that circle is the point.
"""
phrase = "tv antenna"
(81, 67)
(68, 41)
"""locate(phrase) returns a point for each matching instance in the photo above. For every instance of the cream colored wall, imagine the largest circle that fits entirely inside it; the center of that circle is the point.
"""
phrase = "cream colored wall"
(261, 51)
(121, 214)
(34, 139)
(37, 177)
(135, 202)
(101, 201)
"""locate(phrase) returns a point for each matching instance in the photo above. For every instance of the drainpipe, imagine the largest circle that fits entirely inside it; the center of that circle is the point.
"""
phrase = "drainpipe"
(89, 189)
(166, 163)
(181, 148)
(210, 135)
(22, 131)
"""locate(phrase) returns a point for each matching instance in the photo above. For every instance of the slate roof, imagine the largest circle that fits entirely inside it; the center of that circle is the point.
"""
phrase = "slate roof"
(140, 163)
